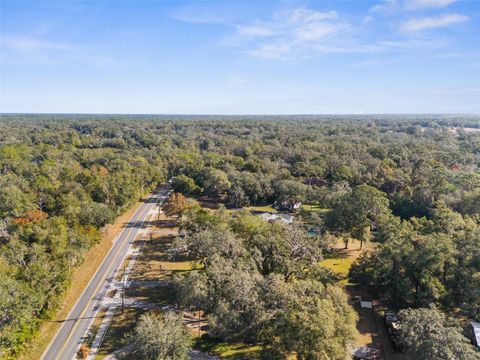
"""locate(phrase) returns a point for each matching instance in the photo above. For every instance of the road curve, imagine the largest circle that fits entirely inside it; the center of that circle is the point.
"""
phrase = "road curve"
(74, 328)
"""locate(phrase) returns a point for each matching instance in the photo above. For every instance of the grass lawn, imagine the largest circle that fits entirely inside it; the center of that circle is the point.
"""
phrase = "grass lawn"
(158, 295)
(314, 208)
(237, 351)
(340, 260)
(340, 266)
(154, 262)
(117, 334)
(264, 208)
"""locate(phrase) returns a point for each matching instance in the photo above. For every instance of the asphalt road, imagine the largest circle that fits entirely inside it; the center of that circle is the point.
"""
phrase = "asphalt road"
(74, 328)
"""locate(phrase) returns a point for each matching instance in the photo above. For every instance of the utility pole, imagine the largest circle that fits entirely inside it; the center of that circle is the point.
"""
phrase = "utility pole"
(123, 289)
(199, 323)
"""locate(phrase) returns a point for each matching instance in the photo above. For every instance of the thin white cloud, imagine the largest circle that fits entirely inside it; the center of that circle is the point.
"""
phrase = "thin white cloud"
(424, 4)
(432, 22)
(255, 30)
(370, 63)
(367, 19)
(301, 33)
(302, 15)
(387, 7)
(27, 49)
(315, 31)
(290, 34)
(272, 51)
(28, 44)
(196, 17)
(391, 7)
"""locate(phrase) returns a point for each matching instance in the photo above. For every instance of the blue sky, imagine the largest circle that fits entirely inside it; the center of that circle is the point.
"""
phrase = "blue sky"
(240, 57)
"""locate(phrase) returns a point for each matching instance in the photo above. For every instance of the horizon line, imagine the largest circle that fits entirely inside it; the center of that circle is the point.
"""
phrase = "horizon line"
(246, 114)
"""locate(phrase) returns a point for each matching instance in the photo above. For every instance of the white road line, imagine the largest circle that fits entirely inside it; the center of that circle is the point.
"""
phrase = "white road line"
(114, 304)
(86, 287)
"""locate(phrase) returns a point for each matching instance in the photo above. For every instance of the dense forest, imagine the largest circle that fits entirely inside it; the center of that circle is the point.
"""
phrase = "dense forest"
(408, 185)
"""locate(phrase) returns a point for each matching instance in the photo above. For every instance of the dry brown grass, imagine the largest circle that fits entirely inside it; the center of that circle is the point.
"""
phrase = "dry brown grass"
(121, 326)
(153, 263)
(81, 276)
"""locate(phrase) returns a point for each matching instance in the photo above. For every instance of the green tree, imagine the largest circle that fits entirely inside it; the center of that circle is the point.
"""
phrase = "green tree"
(357, 212)
(215, 182)
(235, 311)
(290, 191)
(409, 267)
(162, 337)
(309, 319)
(425, 334)
(184, 184)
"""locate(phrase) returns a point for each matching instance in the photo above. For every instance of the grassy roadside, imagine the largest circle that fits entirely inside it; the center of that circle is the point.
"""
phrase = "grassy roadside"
(152, 264)
(80, 277)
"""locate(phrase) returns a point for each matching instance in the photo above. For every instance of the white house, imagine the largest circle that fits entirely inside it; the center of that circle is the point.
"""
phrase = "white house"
(285, 218)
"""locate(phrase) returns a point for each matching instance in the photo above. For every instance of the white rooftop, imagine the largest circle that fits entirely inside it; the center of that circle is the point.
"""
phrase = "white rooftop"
(285, 218)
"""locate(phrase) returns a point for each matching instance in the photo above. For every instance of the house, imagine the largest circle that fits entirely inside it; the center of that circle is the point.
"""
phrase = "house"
(284, 218)
(287, 205)
(476, 333)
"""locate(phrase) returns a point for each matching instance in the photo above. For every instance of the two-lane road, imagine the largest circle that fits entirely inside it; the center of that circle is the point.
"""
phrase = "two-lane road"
(69, 337)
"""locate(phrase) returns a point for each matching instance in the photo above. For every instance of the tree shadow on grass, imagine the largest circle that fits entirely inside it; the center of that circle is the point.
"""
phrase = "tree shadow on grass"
(139, 224)
(166, 223)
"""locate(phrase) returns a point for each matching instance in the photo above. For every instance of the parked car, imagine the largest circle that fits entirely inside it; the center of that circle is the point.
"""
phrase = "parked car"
(393, 328)
(365, 353)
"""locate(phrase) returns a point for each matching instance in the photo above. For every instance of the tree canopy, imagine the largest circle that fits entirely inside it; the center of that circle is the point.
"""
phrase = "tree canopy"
(408, 184)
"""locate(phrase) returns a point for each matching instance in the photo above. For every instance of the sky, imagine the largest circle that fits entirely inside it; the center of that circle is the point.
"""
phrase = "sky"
(240, 57)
